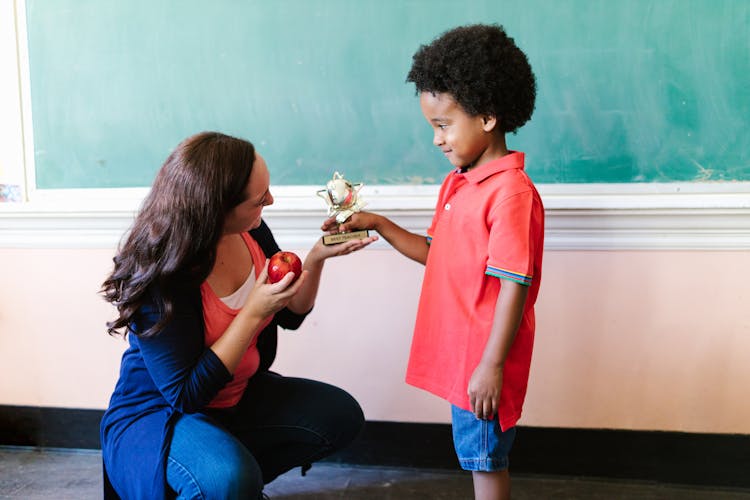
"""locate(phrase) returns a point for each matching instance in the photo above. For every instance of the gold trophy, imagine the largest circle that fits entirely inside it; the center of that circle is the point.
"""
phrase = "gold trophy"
(343, 200)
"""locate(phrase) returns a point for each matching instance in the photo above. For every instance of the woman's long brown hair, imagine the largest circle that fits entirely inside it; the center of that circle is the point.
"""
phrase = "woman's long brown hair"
(172, 242)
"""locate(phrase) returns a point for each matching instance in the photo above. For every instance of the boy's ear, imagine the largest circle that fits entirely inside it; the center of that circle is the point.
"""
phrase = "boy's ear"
(489, 123)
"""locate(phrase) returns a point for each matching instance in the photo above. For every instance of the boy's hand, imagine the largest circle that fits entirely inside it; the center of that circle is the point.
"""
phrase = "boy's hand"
(484, 390)
(359, 220)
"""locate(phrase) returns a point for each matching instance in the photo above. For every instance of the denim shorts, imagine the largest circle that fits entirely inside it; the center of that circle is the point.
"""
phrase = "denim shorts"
(480, 444)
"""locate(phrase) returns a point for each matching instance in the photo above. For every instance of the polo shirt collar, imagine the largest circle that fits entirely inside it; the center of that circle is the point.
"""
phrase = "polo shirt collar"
(514, 159)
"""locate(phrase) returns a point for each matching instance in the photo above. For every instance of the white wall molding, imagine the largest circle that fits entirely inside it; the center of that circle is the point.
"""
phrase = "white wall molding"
(710, 216)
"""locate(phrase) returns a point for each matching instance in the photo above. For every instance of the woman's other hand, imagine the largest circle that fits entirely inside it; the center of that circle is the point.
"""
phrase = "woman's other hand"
(268, 298)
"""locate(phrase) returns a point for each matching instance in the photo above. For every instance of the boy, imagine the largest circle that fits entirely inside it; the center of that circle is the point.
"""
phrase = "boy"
(483, 253)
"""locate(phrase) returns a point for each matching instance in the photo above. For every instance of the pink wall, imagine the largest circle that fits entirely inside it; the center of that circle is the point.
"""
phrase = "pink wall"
(625, 339)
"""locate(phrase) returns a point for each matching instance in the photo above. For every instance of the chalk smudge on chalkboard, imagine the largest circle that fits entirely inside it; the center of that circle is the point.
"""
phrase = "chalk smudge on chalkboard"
(704, 174)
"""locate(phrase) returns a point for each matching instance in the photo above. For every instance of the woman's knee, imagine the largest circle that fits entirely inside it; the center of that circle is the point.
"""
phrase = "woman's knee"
(235, 476)
(238, 476)
(205, 461)
(346, 418)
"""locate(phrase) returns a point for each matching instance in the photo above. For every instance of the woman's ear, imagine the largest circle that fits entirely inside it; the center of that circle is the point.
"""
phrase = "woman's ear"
(489, 123)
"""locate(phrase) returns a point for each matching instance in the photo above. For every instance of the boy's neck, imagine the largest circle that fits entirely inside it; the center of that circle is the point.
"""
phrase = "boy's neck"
(495, 150)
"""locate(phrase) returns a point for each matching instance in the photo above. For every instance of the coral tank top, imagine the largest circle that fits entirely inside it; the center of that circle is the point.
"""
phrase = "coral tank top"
(217, 316)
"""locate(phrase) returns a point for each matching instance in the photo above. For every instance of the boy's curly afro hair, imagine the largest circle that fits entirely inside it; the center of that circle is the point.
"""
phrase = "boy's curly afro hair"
(481, 67)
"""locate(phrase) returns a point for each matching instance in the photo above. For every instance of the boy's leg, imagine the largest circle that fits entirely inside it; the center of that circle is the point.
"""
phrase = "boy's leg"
(289, 422)
(483, 448)
(491, 485)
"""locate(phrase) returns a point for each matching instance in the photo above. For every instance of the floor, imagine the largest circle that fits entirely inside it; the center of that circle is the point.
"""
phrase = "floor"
(29, 474)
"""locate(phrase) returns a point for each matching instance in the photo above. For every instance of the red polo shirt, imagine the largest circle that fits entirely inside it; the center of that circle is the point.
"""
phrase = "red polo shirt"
(488, 224)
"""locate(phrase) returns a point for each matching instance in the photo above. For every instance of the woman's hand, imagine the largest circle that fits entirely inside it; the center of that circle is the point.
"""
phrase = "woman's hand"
(266, 298)
(320, 251)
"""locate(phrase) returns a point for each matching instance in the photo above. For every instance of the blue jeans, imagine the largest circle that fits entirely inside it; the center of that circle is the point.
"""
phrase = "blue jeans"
(280, 423)
(481, 445)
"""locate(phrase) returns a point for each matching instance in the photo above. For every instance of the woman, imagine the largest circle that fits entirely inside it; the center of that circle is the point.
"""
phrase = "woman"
(196, 410)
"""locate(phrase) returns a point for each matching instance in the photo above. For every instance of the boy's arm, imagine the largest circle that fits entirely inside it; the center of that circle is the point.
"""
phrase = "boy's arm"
(409, 244)
(487, 379)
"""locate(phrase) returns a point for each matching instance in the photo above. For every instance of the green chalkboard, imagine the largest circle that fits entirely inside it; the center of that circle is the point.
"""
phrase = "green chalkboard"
(628, 90)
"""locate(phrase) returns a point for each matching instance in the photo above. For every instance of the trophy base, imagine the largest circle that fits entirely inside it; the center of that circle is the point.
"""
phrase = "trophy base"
(334, 239)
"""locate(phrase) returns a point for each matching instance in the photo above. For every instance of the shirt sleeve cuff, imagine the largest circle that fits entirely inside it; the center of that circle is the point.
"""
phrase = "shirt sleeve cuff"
(497, 272)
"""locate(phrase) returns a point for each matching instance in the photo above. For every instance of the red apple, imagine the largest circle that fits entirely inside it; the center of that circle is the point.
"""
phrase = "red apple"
(282, 263)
